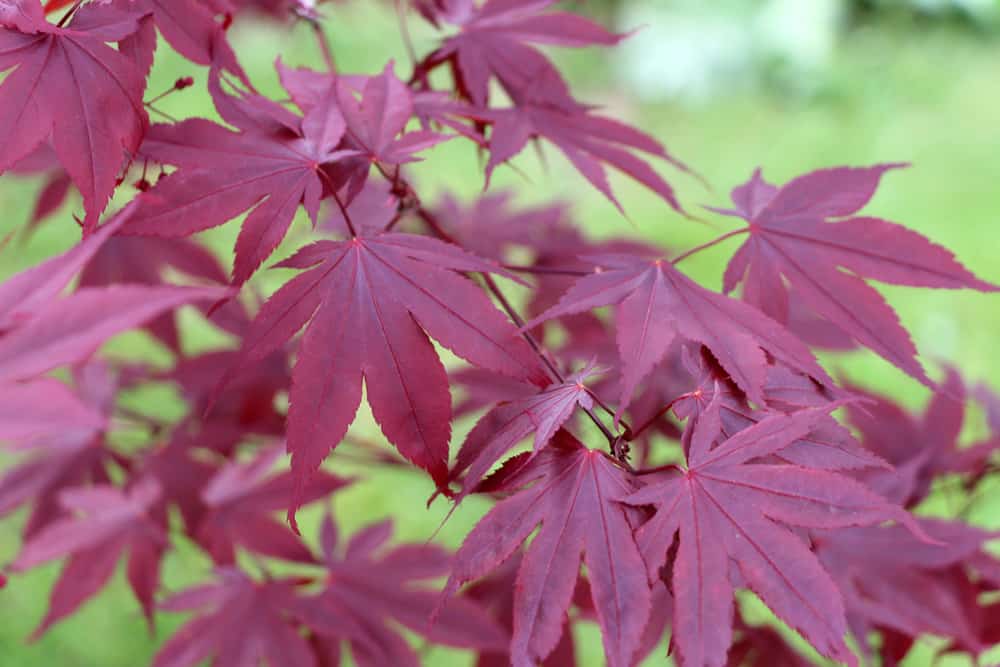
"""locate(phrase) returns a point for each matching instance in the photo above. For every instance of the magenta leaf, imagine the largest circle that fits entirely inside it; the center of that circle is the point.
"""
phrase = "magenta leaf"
(573, 499)
(806, 234)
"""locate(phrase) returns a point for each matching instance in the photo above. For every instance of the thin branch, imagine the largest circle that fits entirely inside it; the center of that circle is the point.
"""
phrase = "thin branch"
(703, 246)
(631, 435)
(492, 286)
(545, 270)
(324, 46)
(663, 468)
(343, 211)
(404, 31)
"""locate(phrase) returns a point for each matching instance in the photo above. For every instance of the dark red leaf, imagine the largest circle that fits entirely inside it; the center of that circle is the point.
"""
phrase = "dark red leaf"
(804, 233)
(573, 499)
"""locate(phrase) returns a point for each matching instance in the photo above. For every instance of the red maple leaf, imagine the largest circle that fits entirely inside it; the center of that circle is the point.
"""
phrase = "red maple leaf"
(573, 498)
(111, 523)
(805, 234)
(889, 579)
(495, 41)
(656, 304)
(924, 446)
(240, 501)
(723, 507)
(68, 86)
(146, 261)
(503, 427)
(272, 165)
(369, 302)
(381, 590)
(240, 622)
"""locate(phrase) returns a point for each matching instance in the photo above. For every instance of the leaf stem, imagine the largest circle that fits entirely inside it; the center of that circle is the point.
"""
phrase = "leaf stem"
(404, 31)
(324, 46)
(631, 435)
(703, 246)
(545, 270)
(663, 468)
(343, 209)
(492, 286)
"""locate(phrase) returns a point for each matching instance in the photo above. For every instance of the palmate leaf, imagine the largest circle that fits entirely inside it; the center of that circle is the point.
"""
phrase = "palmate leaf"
(369, 302)
(70, 329)
(241, 499)
(495, 41)
(67, 85)
(725, 508)
(239, 623)
(656, 303)
(499, 430)
(573, 498)
(225, 173)
(383, 588)
(112, 523)
(805, 234)
(890, 579)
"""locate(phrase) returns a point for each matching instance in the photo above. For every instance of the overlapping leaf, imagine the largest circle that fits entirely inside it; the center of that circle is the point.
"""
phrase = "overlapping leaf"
(806, 234)
(656, 303)
(369, 302)
(241, 500)
(495, 42)
(383, 590)
(112, 523)
(224, 173)
(573, 500)
(68, 86)
(724, 508)
(240, 623)
(499, 430)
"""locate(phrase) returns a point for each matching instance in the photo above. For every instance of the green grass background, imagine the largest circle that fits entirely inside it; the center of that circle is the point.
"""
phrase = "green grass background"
(923, 94)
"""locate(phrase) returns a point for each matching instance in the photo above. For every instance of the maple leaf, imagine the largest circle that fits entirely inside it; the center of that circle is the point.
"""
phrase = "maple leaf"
(62, 434)
(62, 431)
(380, 589)
(70, 329)
(891, 580)
(921, 447)
(828, 445)
(724, 507)
(240, 501)
(588, 141)
(496, 591)
(573, 500)
(804, 233)
(112, 523)
(90, 104)
(224, 173)
(240, 623)
(495, 41)
(500, 429)
(222, 419)
(656, 303)
(490, 227)
(189, 26)
(368, 302)
(376, 110)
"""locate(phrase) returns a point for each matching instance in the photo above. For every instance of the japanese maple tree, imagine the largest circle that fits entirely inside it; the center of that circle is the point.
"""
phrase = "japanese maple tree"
(651, 449)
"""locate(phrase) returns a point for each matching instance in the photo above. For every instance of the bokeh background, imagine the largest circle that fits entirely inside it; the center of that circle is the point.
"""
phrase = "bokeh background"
(727, 86)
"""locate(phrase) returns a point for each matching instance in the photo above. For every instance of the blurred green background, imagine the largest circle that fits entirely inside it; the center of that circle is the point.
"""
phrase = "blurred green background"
(727, 85)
